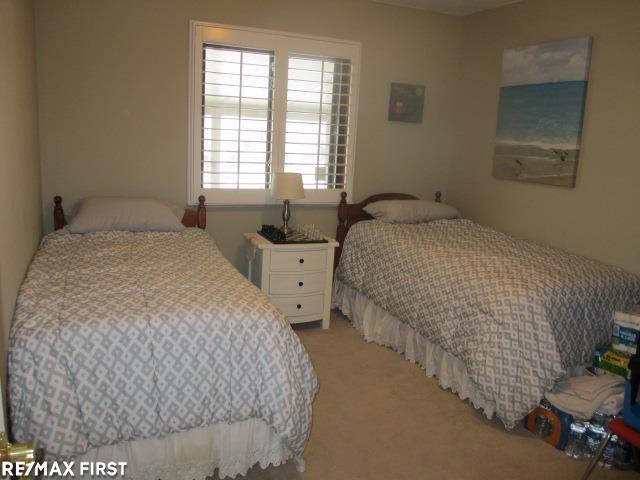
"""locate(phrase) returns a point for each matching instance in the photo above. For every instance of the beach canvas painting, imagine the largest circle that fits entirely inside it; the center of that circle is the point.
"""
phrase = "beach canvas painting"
(542, 98)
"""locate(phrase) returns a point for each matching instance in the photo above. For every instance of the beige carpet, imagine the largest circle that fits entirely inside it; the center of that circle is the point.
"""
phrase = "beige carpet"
(378, 416)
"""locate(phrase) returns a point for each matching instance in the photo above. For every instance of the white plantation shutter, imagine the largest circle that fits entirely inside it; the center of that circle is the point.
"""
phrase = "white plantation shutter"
(237, 101)
(317, 128)
(264, 102)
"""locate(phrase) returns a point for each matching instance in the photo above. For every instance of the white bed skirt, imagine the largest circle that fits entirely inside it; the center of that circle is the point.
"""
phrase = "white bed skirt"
(232, 449)
(379, 326)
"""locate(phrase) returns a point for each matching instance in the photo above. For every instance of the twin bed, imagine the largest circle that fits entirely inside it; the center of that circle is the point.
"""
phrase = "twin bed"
(496, 319)
(150, 348)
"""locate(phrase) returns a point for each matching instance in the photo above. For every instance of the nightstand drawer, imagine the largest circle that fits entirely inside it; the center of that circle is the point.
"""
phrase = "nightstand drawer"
(296, 283)
(298, 261)
(293, 306)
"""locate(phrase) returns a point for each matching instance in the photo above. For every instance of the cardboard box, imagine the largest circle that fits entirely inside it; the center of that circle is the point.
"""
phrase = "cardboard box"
(609, 361)
(626, 331)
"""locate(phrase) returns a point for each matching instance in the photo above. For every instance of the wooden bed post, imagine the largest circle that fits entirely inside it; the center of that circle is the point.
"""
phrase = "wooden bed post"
(341, 231)
(58, 213)
(202, 213)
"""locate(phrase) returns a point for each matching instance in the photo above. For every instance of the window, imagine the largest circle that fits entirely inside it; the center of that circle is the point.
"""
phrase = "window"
(263, 102)
(317, 129)
(237, 99)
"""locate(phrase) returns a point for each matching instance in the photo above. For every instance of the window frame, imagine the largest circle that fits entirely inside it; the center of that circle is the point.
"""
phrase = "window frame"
(283, 44)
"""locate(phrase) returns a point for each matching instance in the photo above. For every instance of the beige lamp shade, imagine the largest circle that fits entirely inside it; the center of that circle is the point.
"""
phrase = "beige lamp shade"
(287, 186)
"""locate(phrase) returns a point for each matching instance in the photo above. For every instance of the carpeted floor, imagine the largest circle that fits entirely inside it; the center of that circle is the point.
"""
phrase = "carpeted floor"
(378, 416)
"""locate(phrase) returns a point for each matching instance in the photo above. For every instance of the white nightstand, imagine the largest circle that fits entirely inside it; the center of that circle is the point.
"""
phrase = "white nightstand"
(297, 277)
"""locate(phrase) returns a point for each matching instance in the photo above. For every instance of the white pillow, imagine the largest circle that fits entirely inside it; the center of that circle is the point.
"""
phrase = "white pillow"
(96, 214)
(410, 211)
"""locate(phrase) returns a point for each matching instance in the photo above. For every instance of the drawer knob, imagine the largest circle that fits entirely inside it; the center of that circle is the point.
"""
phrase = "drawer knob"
(300, 284)
(302, 260)
(298, 306)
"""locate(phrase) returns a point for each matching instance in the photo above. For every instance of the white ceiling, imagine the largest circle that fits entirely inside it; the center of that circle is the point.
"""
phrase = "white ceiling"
(451, 7)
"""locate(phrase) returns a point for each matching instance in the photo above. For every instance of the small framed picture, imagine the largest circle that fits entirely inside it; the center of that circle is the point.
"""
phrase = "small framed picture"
(406, 103)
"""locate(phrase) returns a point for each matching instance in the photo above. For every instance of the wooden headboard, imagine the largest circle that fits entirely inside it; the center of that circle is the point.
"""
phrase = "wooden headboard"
(350, 214)
(191, 218)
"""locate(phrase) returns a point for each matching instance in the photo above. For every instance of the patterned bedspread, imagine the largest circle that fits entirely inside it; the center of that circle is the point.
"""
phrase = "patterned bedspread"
(120, 336)
(517, 313)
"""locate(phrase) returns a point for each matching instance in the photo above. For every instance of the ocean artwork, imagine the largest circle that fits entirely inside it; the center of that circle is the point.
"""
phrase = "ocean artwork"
(542, 98)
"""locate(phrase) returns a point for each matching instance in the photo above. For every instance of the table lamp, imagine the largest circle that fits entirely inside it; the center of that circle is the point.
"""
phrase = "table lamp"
(287, 186)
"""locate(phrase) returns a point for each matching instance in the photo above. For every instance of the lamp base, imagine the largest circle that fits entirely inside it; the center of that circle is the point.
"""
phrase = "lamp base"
(286, 215)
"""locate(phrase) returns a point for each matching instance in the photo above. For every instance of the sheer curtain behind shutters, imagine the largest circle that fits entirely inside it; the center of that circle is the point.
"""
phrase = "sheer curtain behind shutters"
(317, 125)
(237, 117)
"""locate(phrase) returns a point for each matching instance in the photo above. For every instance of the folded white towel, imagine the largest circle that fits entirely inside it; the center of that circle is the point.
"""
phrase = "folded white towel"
(588, 387)
(613, 405)
(583, 396)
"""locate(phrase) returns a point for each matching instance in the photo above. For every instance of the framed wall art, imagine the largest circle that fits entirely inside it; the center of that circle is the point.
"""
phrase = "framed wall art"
(540, 112)
(406, 103)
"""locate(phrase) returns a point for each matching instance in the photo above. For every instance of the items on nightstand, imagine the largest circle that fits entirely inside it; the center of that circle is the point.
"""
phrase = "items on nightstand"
(276, 235)
(297, 276)
(310, 231)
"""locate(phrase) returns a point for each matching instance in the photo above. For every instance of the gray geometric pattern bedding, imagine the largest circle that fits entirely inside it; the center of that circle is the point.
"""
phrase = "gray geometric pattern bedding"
(120, 336)
(517, 313)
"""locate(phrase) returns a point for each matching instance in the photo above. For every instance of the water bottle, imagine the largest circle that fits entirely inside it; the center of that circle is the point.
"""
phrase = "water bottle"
(576, 443)
(595, 433)
(608, 456)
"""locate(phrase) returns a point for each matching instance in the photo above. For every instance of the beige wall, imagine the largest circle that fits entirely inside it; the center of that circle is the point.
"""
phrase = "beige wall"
(20, 220)
(598, 218)
(113, 109)
(113, 97)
